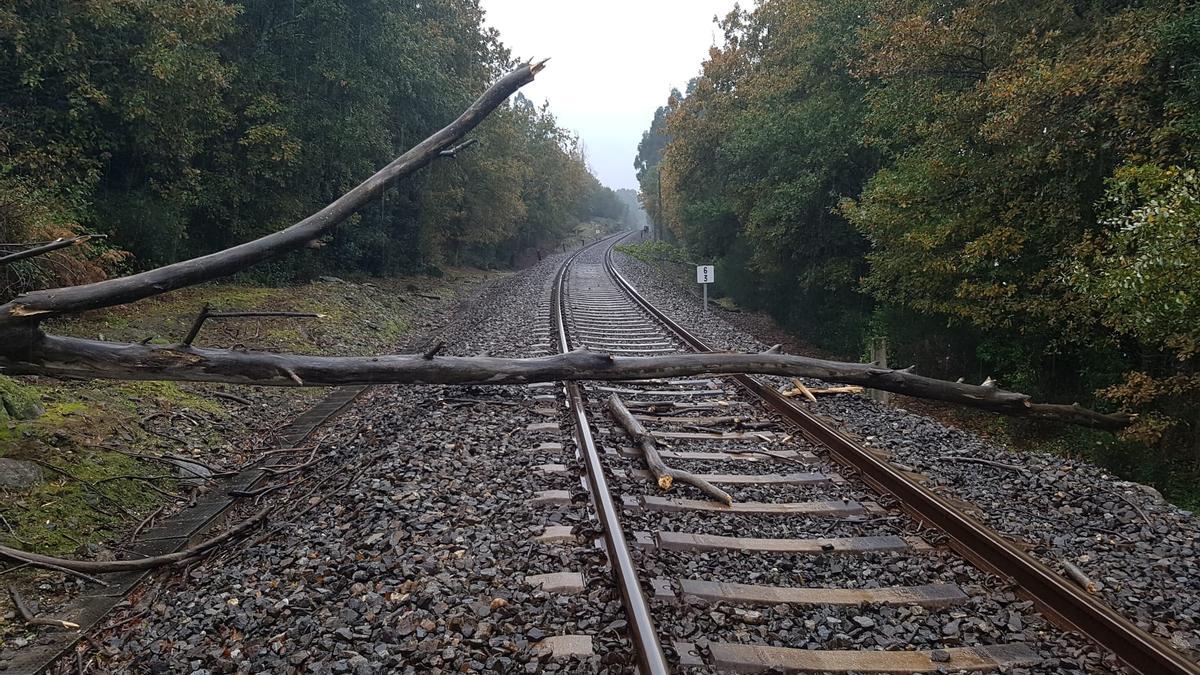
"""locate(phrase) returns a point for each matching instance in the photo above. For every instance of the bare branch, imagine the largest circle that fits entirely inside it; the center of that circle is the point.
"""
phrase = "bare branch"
(74, 357)
(206, 314)
(44, 304)
(452, 153)
(61, 242)
(663, 474)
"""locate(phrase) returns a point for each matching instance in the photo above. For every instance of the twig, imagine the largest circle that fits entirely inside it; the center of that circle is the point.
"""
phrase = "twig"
(14, 568)
(312, 459)
(32, 620)
(1137, 508)
(146, 521)
(480, 400)
(138, 564)
(232, 397)
(452, 153)
(206, 313)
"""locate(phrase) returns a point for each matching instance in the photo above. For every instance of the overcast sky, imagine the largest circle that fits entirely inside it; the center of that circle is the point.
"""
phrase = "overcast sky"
(612, 64)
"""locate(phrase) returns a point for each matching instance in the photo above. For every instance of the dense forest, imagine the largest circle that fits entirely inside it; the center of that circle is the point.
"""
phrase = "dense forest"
(1000, 188)
(179, 127)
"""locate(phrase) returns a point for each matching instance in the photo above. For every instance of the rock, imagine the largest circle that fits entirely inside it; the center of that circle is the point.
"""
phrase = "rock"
(190, 474)
(16, 474)
(19, 402)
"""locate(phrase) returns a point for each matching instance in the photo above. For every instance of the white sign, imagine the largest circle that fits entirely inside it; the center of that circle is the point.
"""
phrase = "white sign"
(704, 274)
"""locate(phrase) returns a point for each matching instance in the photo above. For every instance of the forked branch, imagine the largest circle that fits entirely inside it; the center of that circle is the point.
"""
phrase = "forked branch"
(664, 475)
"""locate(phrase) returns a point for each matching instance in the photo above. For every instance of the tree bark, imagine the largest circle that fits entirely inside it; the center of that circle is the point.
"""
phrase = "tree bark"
(75, 357)
(663, 474)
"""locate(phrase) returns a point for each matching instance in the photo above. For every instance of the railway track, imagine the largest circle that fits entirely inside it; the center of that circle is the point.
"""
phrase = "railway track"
(829, 559)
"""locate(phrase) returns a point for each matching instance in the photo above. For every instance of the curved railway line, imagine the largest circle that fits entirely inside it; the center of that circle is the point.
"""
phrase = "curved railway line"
(824, 503)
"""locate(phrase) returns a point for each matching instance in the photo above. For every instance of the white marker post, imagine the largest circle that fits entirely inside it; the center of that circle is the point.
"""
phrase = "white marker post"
(705, 276)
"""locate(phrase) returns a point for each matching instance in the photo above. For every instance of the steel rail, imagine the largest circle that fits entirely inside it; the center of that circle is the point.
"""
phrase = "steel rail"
(647, 648)
(1057, 598)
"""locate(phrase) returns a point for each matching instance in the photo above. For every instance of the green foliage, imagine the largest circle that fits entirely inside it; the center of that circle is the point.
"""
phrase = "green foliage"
(180, 127)
(1002, 188)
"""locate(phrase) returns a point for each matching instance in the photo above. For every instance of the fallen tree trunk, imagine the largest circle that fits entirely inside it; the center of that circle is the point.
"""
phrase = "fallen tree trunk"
(74, 357)
(663, 474)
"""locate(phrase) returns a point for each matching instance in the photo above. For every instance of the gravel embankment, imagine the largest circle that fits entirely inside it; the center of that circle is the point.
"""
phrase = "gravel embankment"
(416, 559)
(1142, 549)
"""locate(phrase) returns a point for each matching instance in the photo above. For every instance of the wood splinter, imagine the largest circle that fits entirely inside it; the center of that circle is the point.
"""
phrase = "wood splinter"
(32, 620)
(664, 474)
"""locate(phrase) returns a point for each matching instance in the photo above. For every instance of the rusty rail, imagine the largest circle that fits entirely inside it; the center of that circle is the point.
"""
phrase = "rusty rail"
(648, 650)
(1059, 600)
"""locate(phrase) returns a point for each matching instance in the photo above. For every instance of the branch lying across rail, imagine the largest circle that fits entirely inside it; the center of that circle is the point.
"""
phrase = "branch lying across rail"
(64, 356)
(663, 474)
(53, 302)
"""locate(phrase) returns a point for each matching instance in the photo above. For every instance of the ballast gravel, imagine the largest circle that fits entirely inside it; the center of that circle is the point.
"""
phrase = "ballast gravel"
(1141, 550)
(417, 561)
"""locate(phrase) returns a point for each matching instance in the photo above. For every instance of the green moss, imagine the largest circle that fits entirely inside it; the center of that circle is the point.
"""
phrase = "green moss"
(20, 402)
(60, 514)
(167, 395)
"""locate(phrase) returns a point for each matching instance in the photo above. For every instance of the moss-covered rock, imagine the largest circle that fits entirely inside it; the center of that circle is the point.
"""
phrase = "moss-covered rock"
(20, 402)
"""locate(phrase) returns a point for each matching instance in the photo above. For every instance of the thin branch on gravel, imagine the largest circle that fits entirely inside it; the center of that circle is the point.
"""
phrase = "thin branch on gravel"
(664, 474)
(14, 568)
(179, 462)
(1137, 508)
(162, 434)
(483, 401)
(32, 620)
(232, 397)
(987, 462)
(146, 521)
(312, 459)
(276, 451)
(101, 567)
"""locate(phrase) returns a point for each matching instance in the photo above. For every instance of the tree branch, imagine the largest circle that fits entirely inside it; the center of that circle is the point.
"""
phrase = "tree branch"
(75, 357)
(61, 242)
(44, 304)
(663, 474)
(452, 153)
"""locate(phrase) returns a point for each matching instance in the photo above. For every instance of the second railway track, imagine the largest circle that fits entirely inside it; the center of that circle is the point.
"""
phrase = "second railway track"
(829, 560)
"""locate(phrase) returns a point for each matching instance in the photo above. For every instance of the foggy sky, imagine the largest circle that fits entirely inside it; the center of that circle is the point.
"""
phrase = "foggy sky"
(612, 63)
